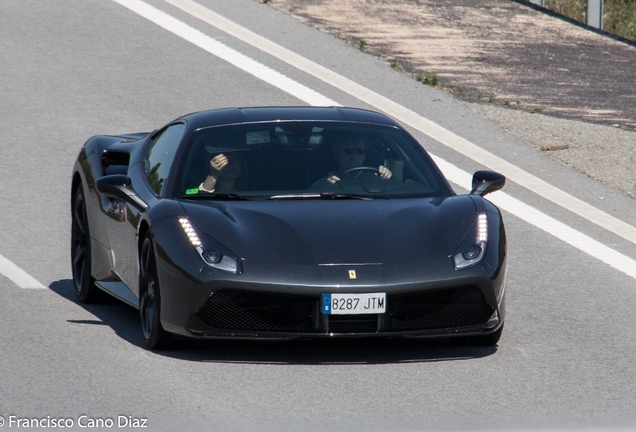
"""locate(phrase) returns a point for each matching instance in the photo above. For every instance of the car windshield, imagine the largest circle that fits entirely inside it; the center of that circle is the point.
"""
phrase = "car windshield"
(306, 160)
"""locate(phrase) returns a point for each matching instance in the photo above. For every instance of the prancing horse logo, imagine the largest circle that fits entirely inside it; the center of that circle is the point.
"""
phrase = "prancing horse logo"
(352, 274)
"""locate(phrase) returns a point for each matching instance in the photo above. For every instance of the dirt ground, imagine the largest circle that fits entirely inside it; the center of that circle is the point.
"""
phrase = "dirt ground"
(509, 59)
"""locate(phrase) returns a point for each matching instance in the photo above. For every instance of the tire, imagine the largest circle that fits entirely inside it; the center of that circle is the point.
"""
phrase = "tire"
(482, 340)
(81, 259)
(150, 299)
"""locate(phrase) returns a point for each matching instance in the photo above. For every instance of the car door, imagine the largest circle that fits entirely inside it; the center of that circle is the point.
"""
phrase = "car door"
(124, 218)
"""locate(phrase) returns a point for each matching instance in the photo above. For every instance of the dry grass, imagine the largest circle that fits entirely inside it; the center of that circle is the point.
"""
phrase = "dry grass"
(619, 18)
(575, 9)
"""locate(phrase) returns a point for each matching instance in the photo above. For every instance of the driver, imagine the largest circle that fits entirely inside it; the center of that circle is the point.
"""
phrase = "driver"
(350, 152)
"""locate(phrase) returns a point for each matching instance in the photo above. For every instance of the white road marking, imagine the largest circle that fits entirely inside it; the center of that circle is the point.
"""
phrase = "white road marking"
(226, 53)
(18, 276)
(565, 233)
(406, 116)
(546, 223)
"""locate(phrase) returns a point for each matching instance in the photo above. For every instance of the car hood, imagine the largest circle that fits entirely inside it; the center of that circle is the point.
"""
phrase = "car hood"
(332, 233)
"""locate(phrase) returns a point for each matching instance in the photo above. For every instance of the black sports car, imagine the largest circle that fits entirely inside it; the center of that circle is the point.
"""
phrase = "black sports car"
(286, 223)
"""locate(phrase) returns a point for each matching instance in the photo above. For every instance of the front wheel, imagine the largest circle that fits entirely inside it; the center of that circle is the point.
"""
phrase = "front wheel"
(150, 300)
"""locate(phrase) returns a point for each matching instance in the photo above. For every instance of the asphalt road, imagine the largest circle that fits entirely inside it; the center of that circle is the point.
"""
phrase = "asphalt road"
(70, 70)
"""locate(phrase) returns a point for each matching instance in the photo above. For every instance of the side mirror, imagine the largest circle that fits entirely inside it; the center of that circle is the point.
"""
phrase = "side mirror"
(485, 182)
(119, 186)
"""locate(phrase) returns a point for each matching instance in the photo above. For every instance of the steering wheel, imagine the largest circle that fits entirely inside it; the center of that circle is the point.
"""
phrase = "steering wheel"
(360, 168)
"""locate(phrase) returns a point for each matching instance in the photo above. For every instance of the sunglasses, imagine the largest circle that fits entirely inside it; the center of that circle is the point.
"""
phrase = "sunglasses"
(351, 150)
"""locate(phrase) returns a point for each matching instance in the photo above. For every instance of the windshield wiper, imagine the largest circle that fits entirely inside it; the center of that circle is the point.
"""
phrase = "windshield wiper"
(333, 195)
(217, 196)
(325, 195)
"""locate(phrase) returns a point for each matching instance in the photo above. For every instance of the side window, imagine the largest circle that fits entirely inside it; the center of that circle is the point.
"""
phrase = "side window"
(161, 155)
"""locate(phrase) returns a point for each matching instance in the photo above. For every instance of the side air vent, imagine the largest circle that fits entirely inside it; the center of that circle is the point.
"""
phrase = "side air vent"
(115, 162)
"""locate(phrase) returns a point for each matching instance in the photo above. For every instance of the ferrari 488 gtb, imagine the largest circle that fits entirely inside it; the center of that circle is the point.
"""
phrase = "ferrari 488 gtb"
(286, 223)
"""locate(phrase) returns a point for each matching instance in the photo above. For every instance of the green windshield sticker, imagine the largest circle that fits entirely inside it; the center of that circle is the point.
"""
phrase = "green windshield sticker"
(192, 191)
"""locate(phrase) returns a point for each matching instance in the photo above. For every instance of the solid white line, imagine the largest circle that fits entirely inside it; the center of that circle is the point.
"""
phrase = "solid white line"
(546, 223)
(454, 174)
(226, 53)
(18, 276)
(406, 116)
(565, 233)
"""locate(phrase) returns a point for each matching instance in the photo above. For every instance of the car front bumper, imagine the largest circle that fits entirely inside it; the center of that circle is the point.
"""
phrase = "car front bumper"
(250, 314)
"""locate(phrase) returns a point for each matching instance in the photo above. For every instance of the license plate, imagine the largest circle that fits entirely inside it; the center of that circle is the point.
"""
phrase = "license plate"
(353, 304)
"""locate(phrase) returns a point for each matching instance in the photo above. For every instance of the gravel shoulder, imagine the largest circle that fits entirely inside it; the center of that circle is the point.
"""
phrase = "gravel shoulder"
(561, 88)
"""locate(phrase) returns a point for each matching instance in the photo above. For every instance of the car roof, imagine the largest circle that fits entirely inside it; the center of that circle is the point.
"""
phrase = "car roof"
(262, 114)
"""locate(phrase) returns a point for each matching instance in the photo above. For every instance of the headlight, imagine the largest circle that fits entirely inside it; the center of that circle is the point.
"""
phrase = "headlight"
(473, 249)
(212, 254)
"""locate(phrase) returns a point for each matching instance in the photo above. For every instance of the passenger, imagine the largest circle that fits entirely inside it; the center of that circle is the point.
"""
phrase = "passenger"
(225, 173)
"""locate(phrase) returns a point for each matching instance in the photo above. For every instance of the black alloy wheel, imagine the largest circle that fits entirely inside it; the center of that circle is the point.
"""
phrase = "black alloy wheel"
(84, 283)
(150, 301)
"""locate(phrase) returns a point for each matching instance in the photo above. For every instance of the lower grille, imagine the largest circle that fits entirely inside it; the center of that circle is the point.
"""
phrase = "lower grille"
(229, 310)
(236, 310)
(353, 323)
(455, 307)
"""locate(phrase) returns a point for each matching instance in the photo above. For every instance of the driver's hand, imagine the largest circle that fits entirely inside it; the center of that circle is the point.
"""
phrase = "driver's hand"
(385, 173)
(334, 179)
